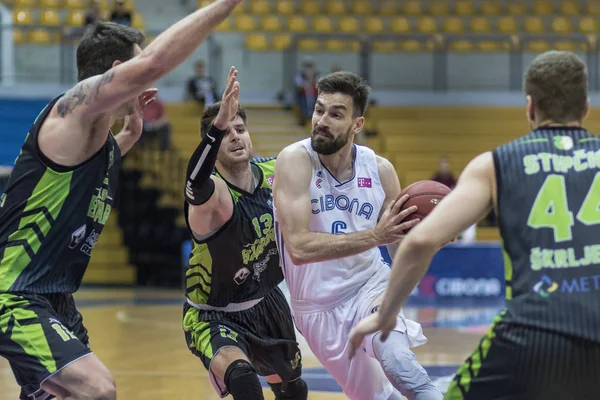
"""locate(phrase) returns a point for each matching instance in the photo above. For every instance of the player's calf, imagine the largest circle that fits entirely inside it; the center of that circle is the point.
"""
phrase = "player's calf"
(296, 390)
(242, 382)
(402, 368)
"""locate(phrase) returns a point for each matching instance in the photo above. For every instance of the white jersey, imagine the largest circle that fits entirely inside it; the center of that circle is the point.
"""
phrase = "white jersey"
(338, 208)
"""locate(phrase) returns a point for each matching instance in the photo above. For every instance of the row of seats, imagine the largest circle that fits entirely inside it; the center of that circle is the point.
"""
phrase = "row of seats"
(280, 42)
(73, 4)
(51, 17)
(416, 7)
(404, 25)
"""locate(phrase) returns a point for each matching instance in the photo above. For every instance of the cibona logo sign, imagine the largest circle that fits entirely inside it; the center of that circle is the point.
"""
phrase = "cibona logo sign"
(459, 287)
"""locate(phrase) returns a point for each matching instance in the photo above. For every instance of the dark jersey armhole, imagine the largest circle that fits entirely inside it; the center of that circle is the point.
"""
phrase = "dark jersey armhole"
(499, 187)
(217, 233)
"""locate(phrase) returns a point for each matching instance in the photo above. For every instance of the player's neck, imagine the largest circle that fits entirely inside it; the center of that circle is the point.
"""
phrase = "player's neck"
(550, 123)
(340, 164)
(240, 176)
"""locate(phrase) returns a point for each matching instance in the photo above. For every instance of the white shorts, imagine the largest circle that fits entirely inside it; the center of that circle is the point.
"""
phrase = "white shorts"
(327, 331)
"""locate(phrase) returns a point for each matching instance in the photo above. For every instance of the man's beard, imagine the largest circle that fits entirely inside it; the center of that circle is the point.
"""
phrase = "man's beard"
(329, 145)
(234, 165)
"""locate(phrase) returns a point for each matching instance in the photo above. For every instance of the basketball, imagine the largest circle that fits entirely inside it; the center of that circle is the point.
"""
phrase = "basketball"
(425, 195)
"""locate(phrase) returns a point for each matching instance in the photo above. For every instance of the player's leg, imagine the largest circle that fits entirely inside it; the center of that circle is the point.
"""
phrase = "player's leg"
(44, 353)
(296, 389)
(224, 354)
(402, 368)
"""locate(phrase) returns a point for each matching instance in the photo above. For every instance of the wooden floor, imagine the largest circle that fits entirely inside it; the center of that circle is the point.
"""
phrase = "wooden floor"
(138, 335)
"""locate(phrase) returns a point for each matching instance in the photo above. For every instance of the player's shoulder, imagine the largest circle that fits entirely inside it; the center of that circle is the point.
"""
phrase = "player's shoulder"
(383, 164)
(295, 152)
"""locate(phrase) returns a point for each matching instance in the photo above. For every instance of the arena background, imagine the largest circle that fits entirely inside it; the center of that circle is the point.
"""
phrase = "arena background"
(446, 78)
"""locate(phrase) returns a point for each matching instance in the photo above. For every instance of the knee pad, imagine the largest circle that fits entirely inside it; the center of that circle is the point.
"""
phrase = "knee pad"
(242, 382)
(404, 371)
(296, 390)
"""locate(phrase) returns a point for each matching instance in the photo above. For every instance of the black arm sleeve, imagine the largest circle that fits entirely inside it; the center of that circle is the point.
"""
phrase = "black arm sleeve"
(199, 187)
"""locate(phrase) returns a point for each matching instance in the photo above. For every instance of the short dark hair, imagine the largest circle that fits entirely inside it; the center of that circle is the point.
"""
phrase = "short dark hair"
(210, 113)
(557, 82)
(349, 84)
(103, 44)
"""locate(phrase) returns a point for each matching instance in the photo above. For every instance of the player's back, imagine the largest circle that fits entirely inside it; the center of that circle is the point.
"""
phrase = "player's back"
(239, 262)
(337, 208)
(51, 216)
(548, 186)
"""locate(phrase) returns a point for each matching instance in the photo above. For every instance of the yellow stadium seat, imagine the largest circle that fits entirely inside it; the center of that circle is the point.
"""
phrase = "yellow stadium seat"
(569, 7)
(491, 46)
(281, 42)
(569, 45)
(388, 7)
(412, 45)
(362, 7)
(542, 7)
(245, 23)
(454, 25)
(297, 24)
(384, 46)
(137, 21)
(508, 25)
(464, 7)
(336, 7)
(19, 36)
(76, 18)
(400, 25)
(374, 25)
(537, 46)
(427, 25)
(490, 7)
(534, 25)
(336, 45)
(462, 45)
(322, 24)
(51, 3)
(438, 7)
(285, 7)
(516, 8)
(593, 8)
(562, 25)
(310, 7)
(271, 23)
(25, 3)
(257, 42)
(309, 45)
(49, 18)
(412, 7)
(349, 25)
(76, 4)
(41, 36)
(22, 17)
(260, 7)
(588, 25)
(203, 3)
(480, 25)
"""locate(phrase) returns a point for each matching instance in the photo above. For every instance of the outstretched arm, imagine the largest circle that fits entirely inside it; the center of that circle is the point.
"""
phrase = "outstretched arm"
(292, 201)
(468, 203)
(103, 93)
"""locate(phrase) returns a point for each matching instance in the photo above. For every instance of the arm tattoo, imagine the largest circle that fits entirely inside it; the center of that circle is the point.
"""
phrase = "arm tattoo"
(79, 94)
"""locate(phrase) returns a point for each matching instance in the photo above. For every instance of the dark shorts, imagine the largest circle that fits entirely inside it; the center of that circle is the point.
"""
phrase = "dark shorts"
(514, 362)
(40, 335)
(265, 333)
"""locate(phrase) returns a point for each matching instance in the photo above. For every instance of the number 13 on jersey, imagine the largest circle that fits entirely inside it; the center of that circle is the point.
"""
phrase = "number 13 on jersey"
(551, 208)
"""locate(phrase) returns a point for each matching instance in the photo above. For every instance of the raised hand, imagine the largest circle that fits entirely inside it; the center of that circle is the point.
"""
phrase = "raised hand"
(229, 102)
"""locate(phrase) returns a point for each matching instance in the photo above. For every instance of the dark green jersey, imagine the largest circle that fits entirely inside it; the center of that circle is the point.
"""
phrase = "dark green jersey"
(51, 216)
(240, 262)
(549, 214)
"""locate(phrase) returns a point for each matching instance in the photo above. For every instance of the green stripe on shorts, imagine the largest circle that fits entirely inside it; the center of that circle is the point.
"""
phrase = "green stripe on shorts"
(200, 332)
(470, 369)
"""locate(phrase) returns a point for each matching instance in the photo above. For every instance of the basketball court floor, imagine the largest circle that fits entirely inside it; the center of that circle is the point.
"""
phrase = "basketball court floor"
(138, 335)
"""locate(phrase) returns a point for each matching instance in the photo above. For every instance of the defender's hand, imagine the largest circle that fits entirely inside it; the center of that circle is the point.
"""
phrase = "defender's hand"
(373, 323)
(229, 102)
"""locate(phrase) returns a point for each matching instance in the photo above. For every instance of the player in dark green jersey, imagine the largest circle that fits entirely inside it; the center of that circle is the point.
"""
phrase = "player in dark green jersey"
(545, 187)
(60, 195)
(236, 319)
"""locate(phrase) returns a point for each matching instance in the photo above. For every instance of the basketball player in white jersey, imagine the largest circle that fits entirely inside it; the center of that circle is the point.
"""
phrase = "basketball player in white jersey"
(335, 203)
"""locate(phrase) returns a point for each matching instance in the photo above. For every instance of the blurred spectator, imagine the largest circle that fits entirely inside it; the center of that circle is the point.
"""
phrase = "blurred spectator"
(201, 87)
(156, 125)
(306, 89)
(93, 14)
(444, 174)
(120, 15)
